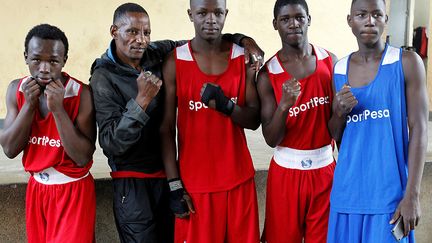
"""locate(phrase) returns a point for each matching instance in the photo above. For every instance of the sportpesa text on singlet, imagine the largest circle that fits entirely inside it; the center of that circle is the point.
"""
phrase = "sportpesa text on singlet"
(371, 173)
(213, 153)
(44, 147)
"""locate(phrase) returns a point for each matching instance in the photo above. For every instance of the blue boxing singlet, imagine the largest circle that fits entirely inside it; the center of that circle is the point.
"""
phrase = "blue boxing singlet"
(371, 173)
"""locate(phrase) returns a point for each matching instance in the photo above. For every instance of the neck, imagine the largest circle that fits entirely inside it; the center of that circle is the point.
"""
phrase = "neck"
(299, 51)
(200, 44)
(133, 63)
(371, 51)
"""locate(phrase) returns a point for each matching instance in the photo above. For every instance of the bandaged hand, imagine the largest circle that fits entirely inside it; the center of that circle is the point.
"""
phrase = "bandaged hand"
(214, 92)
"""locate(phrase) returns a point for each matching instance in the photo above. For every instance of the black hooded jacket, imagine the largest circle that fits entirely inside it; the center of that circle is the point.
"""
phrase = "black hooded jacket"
(128, 136)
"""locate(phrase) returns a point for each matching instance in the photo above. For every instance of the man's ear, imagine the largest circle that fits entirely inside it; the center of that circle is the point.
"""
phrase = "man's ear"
(226, 12)
(349, 20)
(189, 12)
(113, 31)
(275, 24)
(309, 20)
(386, 19)
(25, 57)
(64, 60)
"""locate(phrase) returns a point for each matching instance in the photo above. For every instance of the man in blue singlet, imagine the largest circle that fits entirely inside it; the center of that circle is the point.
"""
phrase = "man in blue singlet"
(381, 94)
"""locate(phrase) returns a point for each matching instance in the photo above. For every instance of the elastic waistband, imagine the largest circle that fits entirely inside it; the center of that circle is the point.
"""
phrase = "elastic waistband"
(303, 159)
(51, 176)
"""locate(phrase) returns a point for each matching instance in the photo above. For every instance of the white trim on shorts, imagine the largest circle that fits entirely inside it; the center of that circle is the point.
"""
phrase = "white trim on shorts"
(51, 176)
(303, 159)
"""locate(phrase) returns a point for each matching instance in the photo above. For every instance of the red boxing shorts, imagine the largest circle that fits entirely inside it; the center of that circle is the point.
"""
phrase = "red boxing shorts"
(297, 204)
(61, 212)
(222, 217)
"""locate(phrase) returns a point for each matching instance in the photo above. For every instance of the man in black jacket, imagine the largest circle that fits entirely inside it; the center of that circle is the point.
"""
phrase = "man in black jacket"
(126, 83)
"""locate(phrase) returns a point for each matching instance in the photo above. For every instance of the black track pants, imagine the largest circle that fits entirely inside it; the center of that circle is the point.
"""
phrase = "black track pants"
(141, 210)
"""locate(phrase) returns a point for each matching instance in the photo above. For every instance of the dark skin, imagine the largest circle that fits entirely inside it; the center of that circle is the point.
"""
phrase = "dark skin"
(367, 21)
(212, 55)
(131, 34)
(44, 93)
(298, 59)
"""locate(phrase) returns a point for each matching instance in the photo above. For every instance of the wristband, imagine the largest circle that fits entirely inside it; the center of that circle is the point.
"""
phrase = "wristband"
(175, 184)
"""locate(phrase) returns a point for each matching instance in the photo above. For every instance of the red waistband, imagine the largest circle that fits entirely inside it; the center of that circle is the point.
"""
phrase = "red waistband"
(135, 174)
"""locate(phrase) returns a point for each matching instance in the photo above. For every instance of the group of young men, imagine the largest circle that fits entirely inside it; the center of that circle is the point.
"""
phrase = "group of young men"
(209, 89)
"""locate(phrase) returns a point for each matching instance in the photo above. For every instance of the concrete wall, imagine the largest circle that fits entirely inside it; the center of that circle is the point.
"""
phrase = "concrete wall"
(12, 217)
(86, 23)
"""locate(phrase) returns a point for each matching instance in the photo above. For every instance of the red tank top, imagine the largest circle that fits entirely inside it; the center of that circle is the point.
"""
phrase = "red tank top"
(306, 124)
(213, 153)
(44, 148)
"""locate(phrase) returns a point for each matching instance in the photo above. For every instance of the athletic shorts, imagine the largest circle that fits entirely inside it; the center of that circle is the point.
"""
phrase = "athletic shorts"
(297, 204)
(222, 217)
(61, 213)
(357, 228)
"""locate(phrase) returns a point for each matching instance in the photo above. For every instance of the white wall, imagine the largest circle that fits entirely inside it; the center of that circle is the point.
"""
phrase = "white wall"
(397, 22)
(421, 13)
(86, 24)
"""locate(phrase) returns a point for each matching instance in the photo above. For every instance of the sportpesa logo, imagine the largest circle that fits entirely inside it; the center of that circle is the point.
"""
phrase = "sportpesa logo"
(198, 105)
(45, 141)
(367, 114)
(312, 103)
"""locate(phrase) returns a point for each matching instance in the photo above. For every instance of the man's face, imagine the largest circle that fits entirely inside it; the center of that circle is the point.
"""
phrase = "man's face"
(292, 23)
(131, 34)
(45, 59)
(367, 20)
(208, 17)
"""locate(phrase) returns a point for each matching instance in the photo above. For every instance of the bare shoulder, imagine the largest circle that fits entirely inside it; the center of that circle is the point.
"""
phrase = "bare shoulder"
(86, 103)
(263, 82)
(413, 66)
(410, 56)
(12, 88)
(262, 74)
(14, 84)
(85, 89)
(169, 67)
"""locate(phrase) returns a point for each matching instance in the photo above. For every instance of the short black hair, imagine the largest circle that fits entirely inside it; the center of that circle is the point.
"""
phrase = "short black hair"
(191, 2)
(353, 1)
(47, 32)
(127, 7)
(280, 3)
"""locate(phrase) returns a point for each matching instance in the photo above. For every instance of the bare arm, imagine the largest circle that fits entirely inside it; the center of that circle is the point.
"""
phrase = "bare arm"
(340, 112)
(169, 149)
(273, 116)
(247, 116)
(17, 124)
(417, 109)
(78, 139)
(180, 202)
(343, 103)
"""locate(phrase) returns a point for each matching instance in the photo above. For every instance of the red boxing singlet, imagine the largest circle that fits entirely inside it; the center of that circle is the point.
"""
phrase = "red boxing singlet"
(213, 153)
(306, 125)
(44, 148)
